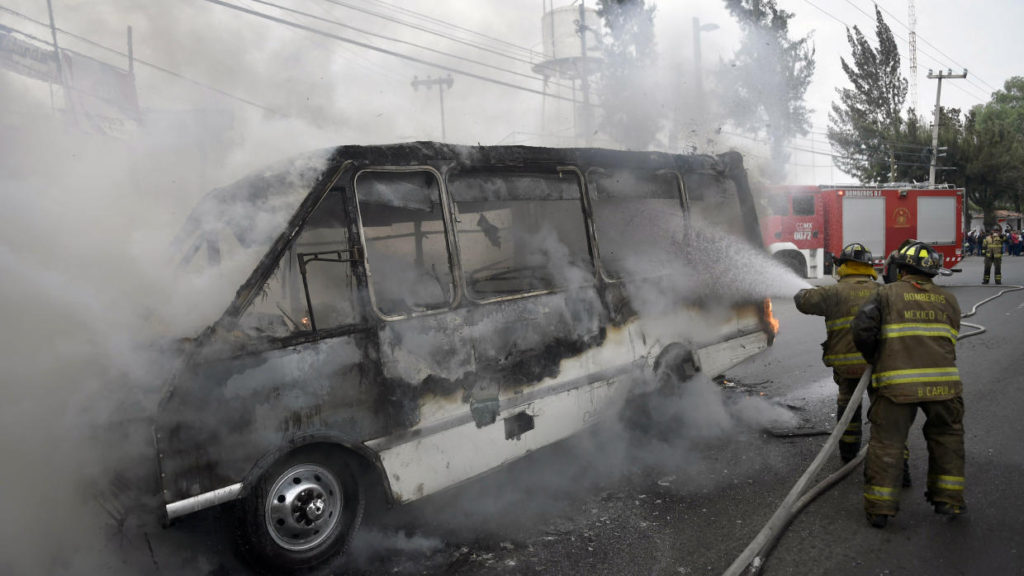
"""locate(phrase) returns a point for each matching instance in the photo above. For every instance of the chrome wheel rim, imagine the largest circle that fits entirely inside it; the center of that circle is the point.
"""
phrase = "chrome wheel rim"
(303, 507)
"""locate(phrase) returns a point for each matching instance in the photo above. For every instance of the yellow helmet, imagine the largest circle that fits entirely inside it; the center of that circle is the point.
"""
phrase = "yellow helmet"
(919, 256)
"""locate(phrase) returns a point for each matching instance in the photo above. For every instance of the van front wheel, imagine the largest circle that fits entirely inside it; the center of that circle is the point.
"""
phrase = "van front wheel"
(302, 513)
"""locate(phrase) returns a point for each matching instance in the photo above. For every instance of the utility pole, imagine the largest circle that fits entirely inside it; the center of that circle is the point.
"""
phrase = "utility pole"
(131, 55)
(698, 73)
(938, 113)
(584, 80)
(912, 49)
(441, 83)
(56, 53)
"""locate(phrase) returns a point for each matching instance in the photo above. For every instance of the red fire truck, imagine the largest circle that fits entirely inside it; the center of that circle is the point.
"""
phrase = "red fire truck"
(804, 224)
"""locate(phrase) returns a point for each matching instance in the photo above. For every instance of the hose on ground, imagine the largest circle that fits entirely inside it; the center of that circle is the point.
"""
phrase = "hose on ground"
(753, 557)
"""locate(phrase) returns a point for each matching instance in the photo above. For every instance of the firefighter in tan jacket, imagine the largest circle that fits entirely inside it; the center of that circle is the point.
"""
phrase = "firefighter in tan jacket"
(838, 303)
(908, 333)
(992, 249)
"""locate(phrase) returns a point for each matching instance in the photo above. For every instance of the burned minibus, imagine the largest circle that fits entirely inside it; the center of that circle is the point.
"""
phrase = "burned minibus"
(411, 316)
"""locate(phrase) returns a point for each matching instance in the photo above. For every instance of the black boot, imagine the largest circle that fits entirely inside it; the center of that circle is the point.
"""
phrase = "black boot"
(848, 451)
(947, 509)
(878, 520)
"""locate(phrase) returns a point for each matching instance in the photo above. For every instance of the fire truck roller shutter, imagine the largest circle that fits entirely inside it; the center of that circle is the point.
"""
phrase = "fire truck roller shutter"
(864, 222)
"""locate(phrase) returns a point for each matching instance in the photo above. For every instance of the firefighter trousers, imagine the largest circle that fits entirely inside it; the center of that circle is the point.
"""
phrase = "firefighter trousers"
(944, 434)
(988, 267)
(849, 442)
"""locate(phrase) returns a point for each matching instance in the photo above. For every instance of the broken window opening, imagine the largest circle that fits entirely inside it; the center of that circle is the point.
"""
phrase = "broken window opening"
(313, 287)
(638, 220)
(520, 233)
(407, 255)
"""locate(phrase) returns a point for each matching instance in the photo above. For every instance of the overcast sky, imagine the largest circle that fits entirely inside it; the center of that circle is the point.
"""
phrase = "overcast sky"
(343, 93)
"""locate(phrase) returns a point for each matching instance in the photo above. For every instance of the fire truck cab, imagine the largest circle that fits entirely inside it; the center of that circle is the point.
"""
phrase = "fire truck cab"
(806, 224)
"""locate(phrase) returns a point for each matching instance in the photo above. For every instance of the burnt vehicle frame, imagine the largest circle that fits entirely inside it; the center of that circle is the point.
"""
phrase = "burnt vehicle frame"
(299, 416)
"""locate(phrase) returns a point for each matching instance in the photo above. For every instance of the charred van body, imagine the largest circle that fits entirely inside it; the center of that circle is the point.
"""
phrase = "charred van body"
(411, 316)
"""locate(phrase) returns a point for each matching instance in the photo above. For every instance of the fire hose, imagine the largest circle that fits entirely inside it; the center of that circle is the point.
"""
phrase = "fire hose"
(752, 559)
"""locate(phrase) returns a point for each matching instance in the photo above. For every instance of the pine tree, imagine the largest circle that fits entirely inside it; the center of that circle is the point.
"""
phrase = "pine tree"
(866, 124)
(632, 110)
(763, 87)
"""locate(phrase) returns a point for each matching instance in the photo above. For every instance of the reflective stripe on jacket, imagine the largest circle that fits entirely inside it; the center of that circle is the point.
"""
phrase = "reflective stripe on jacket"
(838, 303)
(992, 246)
(908, 331)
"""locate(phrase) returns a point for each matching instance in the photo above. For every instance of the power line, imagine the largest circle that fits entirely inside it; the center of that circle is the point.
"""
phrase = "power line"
(318, 32)
(831, 155)
(397, 40)
(845, 24)
(529, 52)
(425, 29)
(933, 58)
(936, 48)
(145, 63)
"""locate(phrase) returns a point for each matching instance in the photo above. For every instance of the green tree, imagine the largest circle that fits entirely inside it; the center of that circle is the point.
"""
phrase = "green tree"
(912, 146)
(995, 149)
(866, 124)
(763, 86)
(632, 112)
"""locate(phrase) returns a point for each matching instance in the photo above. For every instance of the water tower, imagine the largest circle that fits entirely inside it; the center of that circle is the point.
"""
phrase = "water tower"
(572, 52)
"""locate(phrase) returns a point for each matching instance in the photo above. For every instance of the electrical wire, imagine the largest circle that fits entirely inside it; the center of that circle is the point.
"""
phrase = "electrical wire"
(145, 63)
(936, 48)
(907, 41)
(399, 55)
(425, 29)
(935, 59)
(427, 18)
(400, 41)
(845, 24)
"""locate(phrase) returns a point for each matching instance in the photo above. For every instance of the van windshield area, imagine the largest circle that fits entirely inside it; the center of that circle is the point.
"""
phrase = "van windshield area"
(232, 227)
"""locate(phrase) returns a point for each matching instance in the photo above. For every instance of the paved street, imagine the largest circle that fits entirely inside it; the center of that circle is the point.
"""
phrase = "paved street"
(687, 499)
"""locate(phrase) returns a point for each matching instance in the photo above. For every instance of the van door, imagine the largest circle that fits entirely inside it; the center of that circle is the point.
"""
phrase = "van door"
(485, 379)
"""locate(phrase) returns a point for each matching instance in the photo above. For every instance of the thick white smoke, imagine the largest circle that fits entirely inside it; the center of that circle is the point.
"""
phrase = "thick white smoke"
(90, 297)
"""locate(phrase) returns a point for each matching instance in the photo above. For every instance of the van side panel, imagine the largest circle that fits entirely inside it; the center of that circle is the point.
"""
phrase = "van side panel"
(236, 410)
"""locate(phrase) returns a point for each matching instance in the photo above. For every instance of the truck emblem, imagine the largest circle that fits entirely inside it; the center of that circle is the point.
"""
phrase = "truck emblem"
(901, 217)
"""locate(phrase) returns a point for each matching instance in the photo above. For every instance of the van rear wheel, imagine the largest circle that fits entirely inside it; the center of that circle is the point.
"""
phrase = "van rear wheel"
(302, 513)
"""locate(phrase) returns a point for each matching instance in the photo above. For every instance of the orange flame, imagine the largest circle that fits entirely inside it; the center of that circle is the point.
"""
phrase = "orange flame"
(769, 319)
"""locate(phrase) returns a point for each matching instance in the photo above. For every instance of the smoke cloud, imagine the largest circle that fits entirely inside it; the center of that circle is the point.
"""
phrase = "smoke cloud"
(92, 303)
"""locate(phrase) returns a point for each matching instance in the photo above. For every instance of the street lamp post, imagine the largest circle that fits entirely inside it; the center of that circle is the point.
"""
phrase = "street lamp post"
(698, 75)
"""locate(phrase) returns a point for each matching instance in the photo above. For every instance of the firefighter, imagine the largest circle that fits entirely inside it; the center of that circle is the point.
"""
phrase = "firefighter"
(992, 249)
(907, 331)
(838, 303)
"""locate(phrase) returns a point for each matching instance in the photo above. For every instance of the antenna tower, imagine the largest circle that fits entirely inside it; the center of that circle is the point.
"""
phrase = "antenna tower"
(912, 25)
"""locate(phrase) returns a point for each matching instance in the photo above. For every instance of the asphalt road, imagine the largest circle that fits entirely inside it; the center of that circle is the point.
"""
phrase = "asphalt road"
(687, 498)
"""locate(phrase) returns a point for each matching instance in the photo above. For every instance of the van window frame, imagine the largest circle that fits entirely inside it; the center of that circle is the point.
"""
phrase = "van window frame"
(446, 222)
(526, 171)
(596, 248)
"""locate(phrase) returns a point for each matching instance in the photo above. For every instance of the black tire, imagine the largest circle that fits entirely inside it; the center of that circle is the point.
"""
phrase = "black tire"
(651, 413)
(301, 515)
